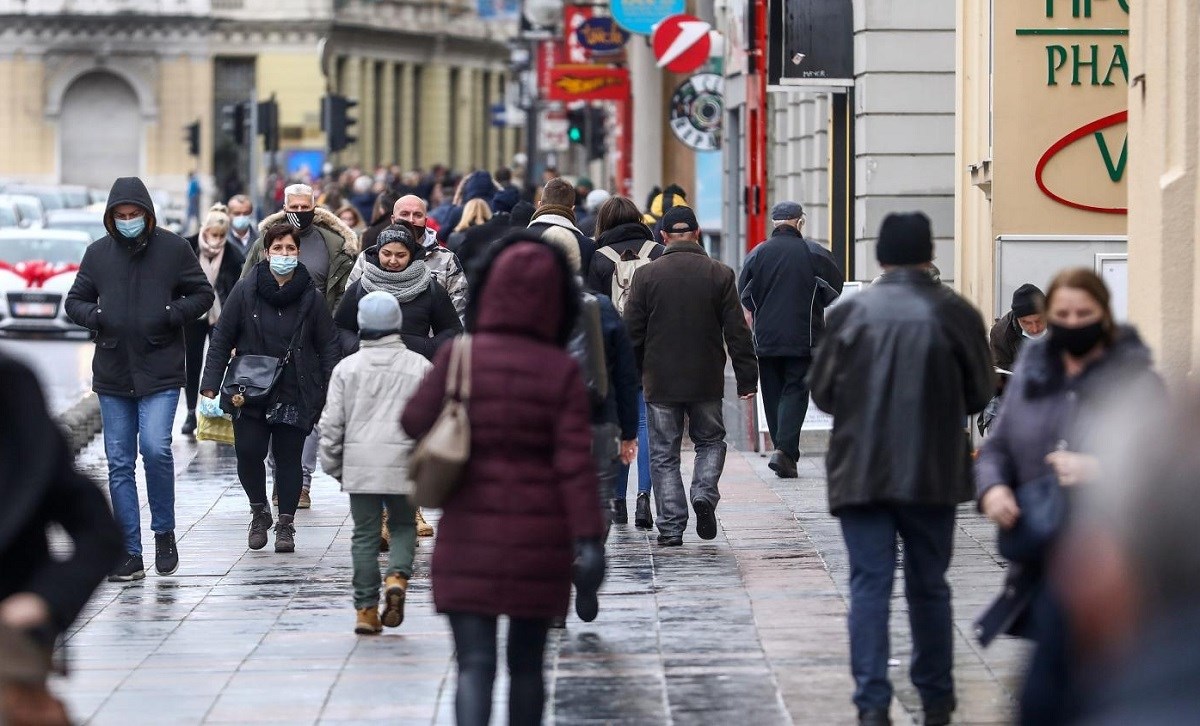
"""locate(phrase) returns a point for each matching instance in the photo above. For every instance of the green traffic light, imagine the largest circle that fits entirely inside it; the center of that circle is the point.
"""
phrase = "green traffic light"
(575, 133)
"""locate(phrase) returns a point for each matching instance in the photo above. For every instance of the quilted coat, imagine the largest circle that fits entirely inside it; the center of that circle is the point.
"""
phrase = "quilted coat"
(505, 543)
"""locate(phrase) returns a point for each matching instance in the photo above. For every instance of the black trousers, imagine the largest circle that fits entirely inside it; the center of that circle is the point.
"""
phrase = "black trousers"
(785, 398)
(195, 335)
(475, 647)
(252, 438)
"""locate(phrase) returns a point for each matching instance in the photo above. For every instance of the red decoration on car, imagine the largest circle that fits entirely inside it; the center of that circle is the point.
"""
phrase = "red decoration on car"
(37, 273)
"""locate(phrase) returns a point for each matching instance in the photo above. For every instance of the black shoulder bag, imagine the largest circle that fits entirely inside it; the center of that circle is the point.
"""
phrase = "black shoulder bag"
(252, 378)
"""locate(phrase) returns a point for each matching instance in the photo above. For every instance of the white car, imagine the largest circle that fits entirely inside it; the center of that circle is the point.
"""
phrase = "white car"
(37, 269)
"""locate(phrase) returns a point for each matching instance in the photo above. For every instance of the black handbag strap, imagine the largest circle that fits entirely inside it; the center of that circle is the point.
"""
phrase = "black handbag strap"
(305, 307)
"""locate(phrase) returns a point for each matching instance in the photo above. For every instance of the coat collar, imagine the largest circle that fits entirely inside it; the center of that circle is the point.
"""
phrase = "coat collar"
(691, 247)
(328, 221)
(786, 231)
(388, 341)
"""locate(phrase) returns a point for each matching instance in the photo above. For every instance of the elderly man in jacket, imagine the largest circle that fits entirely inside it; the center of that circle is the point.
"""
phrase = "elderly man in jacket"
(683, 313)
(136, 288)
(902, 365)
(786, 283)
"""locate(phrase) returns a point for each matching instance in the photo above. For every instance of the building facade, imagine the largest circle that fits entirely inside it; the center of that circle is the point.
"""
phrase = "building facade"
(102, 89)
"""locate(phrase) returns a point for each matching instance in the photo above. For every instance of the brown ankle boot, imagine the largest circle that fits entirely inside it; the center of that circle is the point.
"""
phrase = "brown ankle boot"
(395, 588)
(424, 529)
(367, 622)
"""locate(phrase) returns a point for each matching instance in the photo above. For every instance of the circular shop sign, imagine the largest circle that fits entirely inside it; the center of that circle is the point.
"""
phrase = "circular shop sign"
(640, 16)
(698, 110)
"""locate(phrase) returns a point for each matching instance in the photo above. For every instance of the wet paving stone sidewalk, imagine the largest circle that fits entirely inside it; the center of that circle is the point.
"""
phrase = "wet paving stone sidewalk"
(748, 629)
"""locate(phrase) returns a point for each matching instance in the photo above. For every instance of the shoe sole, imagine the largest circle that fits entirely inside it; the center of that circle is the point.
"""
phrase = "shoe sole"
(393, 607)
(364, 630)
(139, 575)
(587, 606)
(169, 572)
(424, 531)
(670, 544)
(287, 550)
(782, 474)
(644, 524)
(303, 505)
(706, 519)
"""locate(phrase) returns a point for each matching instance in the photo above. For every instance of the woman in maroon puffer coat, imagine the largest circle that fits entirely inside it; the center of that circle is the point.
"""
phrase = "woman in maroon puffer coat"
(527, 507)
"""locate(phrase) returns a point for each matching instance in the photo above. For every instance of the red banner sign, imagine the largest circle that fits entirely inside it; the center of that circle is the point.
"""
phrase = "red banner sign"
(588, 83)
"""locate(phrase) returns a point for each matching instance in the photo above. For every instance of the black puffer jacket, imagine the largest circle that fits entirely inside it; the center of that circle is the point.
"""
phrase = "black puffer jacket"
(135, 296)
(902, 365)
(252, 326)
(429, 319)
(624, 238)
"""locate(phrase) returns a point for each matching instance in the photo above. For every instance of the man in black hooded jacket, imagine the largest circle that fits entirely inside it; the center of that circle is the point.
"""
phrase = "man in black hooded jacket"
(136, 288)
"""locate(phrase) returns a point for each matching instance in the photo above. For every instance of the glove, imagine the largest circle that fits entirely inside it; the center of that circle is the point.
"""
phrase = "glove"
(588, 570)
(209, 407)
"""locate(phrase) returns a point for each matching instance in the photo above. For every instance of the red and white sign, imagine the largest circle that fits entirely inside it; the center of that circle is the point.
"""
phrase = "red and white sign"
(681, 43)
(573, 17)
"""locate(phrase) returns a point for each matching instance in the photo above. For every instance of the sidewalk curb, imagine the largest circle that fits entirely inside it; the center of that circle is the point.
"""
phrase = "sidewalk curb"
(81, 422)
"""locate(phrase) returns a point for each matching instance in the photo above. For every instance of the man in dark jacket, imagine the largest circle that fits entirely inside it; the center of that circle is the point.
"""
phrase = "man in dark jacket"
(1025, 321)
(902, 365)
(557, 209)
(381, 217)
(786, 282)
(136, 288)
(682, 313)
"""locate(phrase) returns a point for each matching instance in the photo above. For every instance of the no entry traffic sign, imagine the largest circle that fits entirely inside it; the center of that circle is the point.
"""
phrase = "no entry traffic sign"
(681, 43)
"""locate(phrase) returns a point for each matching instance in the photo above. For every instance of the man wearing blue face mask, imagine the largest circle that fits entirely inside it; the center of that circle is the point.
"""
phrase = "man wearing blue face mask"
(136, 288)
(241, 223)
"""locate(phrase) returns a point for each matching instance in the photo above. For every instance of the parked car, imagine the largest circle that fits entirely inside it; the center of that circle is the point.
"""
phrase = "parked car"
(80, 220)
(51, 197)
(76, 196)
(37, 269)
(10, 216)
(33, 214)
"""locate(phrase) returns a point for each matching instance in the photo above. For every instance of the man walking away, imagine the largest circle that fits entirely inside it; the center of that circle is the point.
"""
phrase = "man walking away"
(151, 285)
(556, 208)
(902, 365)
(682, 313)
(786, 282)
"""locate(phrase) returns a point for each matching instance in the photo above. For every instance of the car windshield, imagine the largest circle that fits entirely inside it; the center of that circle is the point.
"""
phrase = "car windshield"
(50, 198)
(95, 229)
(28, 249)
(8, 216)
(76, 198)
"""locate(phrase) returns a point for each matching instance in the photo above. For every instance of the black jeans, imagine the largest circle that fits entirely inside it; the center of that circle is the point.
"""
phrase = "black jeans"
(785, 398)
(252, 438)
(195, 335)
(475, 648)
(928, 533)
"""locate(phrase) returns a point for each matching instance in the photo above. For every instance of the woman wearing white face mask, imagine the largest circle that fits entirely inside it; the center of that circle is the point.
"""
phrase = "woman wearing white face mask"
(222, 265)
(275, 311)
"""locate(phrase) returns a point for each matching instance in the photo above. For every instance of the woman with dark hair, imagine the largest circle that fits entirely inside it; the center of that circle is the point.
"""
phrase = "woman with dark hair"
(396, 265)
(527, 506)
(275, 311)
(623, 241)
(1059, 390)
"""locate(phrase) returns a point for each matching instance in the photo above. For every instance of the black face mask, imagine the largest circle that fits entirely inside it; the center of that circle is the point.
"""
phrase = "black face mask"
(301, 220)
(1076, 341)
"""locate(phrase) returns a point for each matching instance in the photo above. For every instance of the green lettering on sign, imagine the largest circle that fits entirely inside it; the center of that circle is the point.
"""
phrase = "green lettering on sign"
(1056, 58)
(1078, 62)
(1115, 171)
(1118, 61)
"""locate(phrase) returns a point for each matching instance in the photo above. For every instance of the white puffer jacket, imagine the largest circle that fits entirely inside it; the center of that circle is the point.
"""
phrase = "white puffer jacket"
(362, 444)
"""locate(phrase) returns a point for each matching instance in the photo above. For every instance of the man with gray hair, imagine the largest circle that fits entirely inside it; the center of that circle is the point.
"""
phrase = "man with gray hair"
(328, 249)
(786, 283)
(241, 223)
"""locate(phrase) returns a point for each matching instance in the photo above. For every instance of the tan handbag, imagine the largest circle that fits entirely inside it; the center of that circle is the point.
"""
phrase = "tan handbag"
(437, 463)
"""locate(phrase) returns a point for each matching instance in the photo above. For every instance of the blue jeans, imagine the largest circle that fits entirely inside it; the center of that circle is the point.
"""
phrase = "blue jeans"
(621, 489)
(132, 425)
(870, 534)
(706, 426)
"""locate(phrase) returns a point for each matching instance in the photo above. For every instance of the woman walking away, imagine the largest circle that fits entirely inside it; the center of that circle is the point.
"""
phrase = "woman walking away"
(1041, 439)
(363, 447)
(527, 504)
(222, 265)
(275, 311)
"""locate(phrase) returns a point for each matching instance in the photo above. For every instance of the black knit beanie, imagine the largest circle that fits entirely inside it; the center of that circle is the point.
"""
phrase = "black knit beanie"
(905, 239)
(1028, 300)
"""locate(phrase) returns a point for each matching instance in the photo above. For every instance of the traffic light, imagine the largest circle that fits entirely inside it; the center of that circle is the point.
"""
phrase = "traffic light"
(576, 123)
(336, 121)
(193, 138)
(586, 127)
(233, 121)
(268, 123)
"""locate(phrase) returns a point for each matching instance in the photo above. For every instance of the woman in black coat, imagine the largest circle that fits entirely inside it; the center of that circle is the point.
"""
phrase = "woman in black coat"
(222, 265)
(261, 317)
(396, 265)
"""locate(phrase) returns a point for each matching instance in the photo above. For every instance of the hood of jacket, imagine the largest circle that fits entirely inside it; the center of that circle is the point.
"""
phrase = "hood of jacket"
(1127, 356)
(130, 190)
(555, 220)
(479, 185)
(323, 219)
(523, 293)
(628, 232)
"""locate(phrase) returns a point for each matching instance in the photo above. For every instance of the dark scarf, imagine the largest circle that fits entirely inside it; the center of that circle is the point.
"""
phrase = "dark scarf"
(281, 297)
(568, 212)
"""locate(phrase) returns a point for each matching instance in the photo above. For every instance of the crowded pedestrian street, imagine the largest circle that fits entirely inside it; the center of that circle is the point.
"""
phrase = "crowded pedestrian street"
(749, 628)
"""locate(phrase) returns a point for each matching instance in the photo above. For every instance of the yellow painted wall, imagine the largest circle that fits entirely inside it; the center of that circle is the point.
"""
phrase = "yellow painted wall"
(25, 135)
(185, 94)
(296, 81)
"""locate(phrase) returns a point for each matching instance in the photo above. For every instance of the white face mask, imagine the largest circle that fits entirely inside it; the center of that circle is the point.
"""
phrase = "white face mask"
(1039, 336)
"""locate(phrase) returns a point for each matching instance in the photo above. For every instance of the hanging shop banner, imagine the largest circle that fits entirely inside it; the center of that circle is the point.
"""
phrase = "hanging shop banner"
(697, 110)
(681, 43)
(588, 83)
(574, 16)
(640, 16)
(602, 36)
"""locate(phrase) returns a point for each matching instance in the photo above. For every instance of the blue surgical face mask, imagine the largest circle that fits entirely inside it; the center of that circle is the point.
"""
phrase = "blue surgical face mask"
(241, 222)
(130, 228)
(283, 264)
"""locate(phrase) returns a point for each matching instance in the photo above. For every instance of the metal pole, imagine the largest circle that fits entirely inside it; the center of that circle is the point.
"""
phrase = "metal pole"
(252, 147)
